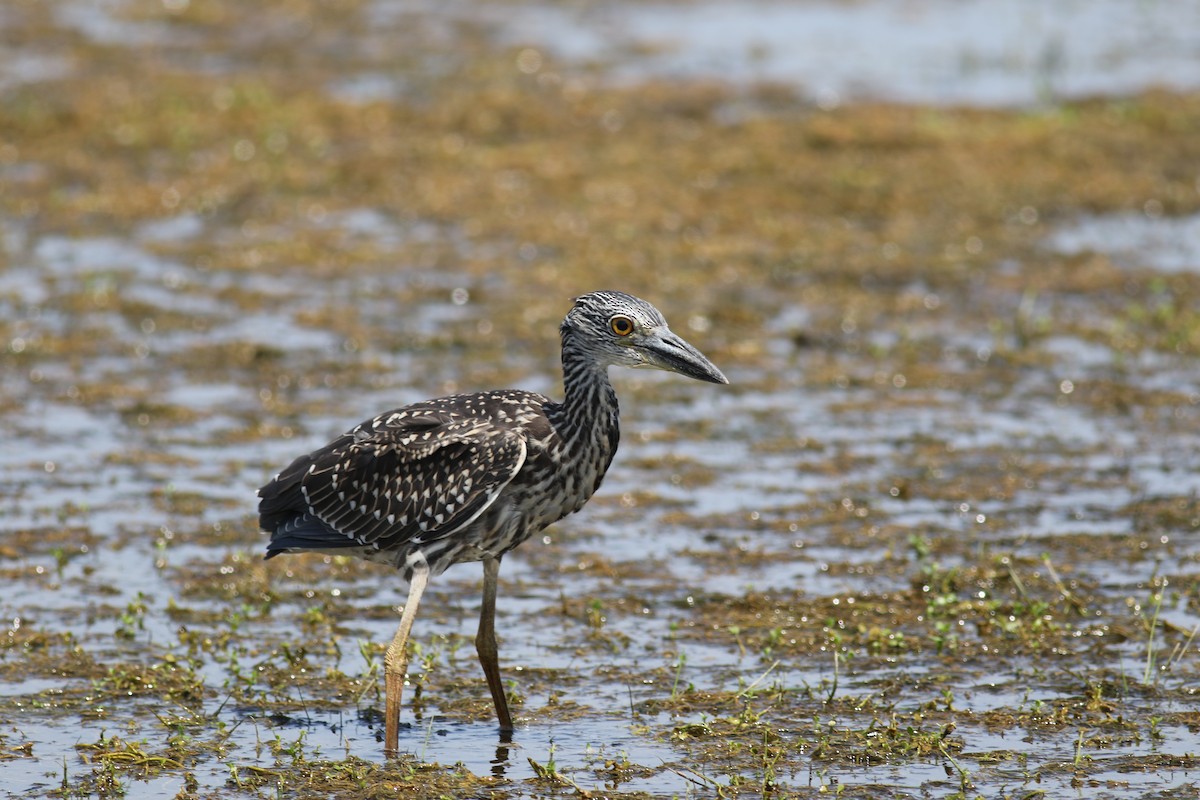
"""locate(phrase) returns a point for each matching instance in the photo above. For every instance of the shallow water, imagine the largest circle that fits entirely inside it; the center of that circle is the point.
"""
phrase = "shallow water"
(1146, 240)
(156, 375)
(62, 449)
(919, 51)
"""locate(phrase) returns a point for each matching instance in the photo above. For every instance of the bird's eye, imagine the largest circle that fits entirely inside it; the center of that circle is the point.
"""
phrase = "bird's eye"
(621, 326)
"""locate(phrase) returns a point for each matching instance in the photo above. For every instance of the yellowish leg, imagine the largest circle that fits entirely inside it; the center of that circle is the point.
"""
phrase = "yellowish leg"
(395, 662)
(485, 643)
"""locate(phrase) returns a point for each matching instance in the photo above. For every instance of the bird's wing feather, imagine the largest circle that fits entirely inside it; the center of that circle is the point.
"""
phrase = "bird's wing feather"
(398, 479)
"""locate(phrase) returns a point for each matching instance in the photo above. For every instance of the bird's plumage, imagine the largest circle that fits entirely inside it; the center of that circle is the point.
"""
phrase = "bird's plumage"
(410, 479)
(470, 476)
(434, 481)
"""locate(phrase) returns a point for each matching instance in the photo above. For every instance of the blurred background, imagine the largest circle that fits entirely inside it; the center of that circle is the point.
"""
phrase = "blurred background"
(938, 536)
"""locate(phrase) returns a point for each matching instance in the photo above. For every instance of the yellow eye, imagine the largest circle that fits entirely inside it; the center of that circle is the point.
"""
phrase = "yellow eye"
(621, 326)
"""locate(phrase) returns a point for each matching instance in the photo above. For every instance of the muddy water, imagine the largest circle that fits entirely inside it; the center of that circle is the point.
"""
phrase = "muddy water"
(937, 537)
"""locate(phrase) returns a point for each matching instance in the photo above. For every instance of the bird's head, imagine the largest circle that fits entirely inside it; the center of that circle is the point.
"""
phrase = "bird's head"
(619, 329)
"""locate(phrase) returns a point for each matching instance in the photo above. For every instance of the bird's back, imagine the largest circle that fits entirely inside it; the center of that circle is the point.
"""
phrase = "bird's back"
(458, 478)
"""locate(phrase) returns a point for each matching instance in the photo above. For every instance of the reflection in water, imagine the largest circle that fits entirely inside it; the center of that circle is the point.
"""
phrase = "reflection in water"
(500, 762)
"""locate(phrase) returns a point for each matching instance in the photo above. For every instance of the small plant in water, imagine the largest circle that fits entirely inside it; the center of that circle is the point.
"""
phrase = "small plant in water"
(1150, 673)
(133, 619)
(944, 637)
(919, 546)
(549, 772)
(293, 750)
(61, 557)
(595, 614)
(774, 637)
(679, 663)
(1155, 731)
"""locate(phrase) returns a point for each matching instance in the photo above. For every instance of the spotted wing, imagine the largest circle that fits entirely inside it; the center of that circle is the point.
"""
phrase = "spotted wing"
(401, 480)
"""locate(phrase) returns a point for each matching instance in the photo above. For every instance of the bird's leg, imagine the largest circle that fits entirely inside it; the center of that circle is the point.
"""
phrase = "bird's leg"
(395, 661)
(485, 643)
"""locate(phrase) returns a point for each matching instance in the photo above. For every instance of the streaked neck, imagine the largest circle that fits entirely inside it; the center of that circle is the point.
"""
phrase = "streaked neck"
(589, 407)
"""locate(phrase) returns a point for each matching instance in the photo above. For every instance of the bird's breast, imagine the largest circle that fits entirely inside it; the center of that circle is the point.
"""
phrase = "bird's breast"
(558, 480)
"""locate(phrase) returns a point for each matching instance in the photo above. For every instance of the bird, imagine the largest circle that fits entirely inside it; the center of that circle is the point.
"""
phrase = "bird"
(469, 477)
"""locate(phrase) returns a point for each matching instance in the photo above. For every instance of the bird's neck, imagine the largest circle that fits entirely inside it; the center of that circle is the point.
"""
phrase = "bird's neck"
(589, 408)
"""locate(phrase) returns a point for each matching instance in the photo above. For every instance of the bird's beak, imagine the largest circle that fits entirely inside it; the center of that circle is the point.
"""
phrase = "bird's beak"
(664, 350)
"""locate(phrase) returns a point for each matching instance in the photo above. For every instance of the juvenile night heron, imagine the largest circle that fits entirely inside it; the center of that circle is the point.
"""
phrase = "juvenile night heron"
(471, 476)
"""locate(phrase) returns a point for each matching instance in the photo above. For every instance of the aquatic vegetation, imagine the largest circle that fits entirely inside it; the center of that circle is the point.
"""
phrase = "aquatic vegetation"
(939, 538)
